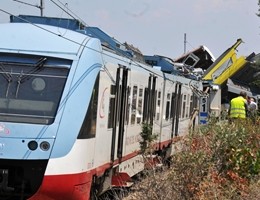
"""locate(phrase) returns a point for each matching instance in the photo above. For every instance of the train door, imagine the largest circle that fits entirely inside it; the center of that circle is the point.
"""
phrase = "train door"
(120, 91)
(150, 100)
(176, 109)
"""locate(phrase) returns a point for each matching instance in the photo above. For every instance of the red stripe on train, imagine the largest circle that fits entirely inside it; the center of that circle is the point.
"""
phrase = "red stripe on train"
(65, 187)
(76, 186)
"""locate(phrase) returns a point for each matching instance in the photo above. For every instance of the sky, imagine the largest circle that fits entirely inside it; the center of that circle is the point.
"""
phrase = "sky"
(158, 27)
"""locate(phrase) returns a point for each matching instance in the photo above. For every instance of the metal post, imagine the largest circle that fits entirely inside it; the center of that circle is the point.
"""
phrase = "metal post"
(185, 41)
(42, 7)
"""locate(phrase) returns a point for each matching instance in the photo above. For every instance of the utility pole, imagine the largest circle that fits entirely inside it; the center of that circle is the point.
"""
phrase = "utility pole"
(185, 42)
(42, 7)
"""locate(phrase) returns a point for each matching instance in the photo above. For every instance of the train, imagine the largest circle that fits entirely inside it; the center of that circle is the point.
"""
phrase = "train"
(72, 106)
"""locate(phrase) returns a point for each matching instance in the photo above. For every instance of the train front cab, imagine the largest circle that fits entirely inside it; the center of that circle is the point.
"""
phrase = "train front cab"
(31, 88)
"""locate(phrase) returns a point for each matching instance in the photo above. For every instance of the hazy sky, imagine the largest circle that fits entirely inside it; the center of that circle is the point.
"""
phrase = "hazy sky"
(158, 27)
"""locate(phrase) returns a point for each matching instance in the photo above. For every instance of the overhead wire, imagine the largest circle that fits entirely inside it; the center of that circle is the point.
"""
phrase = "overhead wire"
(54, 33)
(37, 6)
(85, 24)
(63, 9)
(76, 17)
(62, 36)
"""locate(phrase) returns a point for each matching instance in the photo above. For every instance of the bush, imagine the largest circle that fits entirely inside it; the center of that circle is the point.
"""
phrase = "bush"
(217, 161)
(147, 138)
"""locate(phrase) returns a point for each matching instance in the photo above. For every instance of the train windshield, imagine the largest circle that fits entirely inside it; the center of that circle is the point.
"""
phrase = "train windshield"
(30, 92)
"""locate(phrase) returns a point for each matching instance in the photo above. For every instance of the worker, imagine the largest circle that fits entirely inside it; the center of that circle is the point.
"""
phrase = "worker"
(253, 105)
(252, 108)
(238, 106)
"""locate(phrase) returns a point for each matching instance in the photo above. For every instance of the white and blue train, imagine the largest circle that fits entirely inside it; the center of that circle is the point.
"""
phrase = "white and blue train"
(72, 108)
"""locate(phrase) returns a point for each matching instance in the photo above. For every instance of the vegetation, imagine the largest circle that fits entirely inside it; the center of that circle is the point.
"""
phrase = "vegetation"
(147, 138)
(217, 161)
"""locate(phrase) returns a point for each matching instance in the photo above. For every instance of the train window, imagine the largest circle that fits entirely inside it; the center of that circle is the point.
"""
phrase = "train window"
(133, 108)
(172, 105)
(158, 105)
(139, 106)
(183, 108)
(128, 105)
(145, 107)
(88, 128)
(159, 100)
(31, 92)
(180, 104)
(167, 111)
(168, 103)
(191, 105)
(113, 90)
(111, 106)
(154, 104)
(187, 107)
(168, 96)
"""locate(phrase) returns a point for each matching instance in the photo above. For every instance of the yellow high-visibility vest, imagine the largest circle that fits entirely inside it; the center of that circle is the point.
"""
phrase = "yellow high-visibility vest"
(238, 108)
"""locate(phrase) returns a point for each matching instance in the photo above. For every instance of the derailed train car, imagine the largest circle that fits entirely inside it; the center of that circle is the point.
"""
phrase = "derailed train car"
(71, 111)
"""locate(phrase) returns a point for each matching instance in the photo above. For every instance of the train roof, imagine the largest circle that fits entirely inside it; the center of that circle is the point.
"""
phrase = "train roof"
(77, 26)
(17, 37)
(167, 65)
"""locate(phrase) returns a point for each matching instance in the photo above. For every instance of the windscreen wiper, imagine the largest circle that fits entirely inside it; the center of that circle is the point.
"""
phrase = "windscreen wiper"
(37, 67)
(7, 76)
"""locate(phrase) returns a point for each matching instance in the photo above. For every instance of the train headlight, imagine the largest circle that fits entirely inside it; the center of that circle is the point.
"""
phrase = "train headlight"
(32, 145)
(45, 146)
